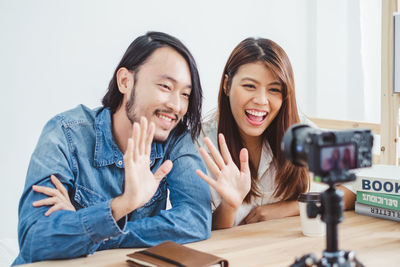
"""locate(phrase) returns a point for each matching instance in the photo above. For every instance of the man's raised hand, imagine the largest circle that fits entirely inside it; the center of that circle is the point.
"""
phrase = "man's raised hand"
(140, 183)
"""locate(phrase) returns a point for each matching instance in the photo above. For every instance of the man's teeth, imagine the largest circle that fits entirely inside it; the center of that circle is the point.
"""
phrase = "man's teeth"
(164, 118)
(256, 113)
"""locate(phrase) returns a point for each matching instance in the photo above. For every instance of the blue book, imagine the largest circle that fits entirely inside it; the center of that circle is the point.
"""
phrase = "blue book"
(382, 179)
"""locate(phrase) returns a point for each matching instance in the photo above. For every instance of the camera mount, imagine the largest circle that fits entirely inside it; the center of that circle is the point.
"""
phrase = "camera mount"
(331, 211)
(329, 155)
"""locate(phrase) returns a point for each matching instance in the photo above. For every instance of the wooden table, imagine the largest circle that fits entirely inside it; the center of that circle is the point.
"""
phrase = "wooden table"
(277, 243)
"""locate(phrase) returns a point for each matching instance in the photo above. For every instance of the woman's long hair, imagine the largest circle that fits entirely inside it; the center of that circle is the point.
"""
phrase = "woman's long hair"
(290, 180)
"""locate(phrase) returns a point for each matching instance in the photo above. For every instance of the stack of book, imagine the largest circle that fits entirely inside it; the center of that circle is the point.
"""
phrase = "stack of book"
(378, 192)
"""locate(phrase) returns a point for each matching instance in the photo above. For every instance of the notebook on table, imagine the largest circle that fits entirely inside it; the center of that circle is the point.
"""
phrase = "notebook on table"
(171, 254)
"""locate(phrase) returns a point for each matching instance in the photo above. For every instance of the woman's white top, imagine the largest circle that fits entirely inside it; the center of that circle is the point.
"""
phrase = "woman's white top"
(266, 171)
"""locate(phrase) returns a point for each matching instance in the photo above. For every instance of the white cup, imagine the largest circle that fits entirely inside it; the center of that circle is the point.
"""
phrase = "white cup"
(310, 226)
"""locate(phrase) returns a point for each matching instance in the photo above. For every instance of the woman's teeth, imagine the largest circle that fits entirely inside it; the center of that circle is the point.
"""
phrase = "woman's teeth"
(256, 113)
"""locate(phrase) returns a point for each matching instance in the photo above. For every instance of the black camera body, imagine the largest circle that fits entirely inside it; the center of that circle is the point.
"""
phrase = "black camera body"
(327, 151)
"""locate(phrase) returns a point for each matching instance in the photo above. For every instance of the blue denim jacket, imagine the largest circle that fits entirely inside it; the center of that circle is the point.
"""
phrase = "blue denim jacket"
(78, 147)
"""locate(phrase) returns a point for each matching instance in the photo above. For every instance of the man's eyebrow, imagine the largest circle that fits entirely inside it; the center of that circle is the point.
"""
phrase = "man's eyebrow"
(167, 77)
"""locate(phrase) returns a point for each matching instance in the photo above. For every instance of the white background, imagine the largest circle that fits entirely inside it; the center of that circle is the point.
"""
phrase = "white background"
(57, 54)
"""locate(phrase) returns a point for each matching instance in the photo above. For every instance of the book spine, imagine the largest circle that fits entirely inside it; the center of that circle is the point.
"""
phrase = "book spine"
(377, 212)
(377, 185)
(380, 200)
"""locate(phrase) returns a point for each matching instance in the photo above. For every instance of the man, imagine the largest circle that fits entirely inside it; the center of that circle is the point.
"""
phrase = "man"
(105, 159)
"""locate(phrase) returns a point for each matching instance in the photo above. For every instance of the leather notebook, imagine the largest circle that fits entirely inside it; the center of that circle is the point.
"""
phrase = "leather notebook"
(171, 254)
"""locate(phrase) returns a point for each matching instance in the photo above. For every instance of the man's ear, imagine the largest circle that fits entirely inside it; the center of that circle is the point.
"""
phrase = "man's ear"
(225, 84)
(125, 80)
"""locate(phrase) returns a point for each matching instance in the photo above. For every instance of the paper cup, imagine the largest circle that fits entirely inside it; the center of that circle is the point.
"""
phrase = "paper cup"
(310, 226)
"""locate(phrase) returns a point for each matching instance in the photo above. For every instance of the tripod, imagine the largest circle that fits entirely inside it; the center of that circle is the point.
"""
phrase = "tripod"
(331, 211)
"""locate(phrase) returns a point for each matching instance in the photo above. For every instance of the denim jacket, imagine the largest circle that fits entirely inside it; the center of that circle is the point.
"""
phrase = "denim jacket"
(78, 147)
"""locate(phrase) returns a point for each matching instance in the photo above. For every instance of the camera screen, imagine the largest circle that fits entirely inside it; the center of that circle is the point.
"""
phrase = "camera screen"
(338, 157)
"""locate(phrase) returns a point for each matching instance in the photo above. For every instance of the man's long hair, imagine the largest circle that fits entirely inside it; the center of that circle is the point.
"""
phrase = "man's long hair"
(136, 55)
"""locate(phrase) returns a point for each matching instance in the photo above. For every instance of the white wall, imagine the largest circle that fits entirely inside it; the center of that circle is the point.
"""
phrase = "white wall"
(348, 60)
(56, 54)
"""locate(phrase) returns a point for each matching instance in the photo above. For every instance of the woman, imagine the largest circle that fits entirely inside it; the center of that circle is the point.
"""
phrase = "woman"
(256, 104)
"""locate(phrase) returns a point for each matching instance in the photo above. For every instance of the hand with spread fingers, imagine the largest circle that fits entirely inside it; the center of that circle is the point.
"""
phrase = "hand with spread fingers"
(58, 197)
(231, 183)
(140, 183)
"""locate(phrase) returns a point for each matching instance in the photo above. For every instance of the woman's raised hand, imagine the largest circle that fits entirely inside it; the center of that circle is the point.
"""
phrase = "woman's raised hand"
(231, 183)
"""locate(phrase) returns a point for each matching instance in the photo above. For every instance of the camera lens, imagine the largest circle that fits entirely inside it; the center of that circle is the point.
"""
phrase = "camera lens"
(295, 143)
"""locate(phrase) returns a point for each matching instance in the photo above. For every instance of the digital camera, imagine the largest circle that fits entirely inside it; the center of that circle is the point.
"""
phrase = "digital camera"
(327, 151)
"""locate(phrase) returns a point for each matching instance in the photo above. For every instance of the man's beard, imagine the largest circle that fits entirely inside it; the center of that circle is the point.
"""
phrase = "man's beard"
(130, 106)
(131, 112)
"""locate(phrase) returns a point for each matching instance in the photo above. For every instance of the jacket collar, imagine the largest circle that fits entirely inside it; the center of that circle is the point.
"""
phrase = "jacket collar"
(106, 149)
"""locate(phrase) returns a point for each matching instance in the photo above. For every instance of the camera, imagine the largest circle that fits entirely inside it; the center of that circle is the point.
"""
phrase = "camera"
(329, 155)
(327, 151)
